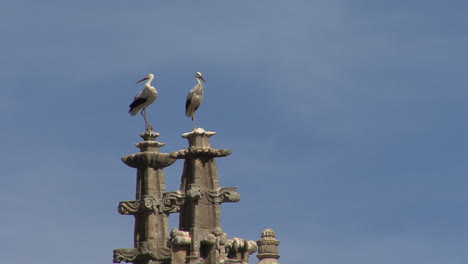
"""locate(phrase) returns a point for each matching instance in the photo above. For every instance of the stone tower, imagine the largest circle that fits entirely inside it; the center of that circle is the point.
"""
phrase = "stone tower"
(199, 238)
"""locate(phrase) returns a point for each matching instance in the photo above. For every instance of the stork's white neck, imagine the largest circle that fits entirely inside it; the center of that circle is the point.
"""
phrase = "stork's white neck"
(199, 81)
(148, 83)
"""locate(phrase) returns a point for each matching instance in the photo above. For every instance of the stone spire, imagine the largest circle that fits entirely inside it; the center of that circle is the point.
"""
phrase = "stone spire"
(268, 248)
(200, 215)
(199, 238)
(151, 217)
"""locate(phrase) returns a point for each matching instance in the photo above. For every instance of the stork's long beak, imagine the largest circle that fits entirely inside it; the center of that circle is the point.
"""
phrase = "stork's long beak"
(146, 78)
(201, 77)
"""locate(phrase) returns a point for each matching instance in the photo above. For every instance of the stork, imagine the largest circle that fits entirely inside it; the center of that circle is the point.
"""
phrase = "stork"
(143, 99)
(194, 98)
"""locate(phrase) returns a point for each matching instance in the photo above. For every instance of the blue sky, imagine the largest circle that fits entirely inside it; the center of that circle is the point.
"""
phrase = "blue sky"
(347, 121)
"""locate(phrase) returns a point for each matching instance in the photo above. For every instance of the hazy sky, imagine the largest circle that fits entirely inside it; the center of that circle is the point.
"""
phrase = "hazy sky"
(347, 120)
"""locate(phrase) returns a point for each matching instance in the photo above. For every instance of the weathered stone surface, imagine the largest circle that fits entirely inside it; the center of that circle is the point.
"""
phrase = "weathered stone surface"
(180, 243)
(233, 261)
(268, 248)
(172, 201)
(199, 238)
(199, 215)
(148, 204)
(125, 255)
(129, 207)
(180, 238)
(199, 137)
(239, 250)
(193, 152)
(148, 250)
(148, 159)
(223, 195)
(151, 221)
(213, 246)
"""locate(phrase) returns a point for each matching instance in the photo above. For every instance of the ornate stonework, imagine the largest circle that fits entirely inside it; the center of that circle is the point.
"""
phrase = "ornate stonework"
(129, 207)
(125, 255)
(268, 248)
(171, 202)
(151, 221)
(180, 238)
(200, 152)
(199, 238)
(223, 195)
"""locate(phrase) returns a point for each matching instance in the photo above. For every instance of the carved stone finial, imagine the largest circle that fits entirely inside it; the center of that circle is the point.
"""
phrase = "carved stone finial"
(149, 143)
(198, 137)
(268, 248)
(199, 146)
(149, 135)
(198, 131)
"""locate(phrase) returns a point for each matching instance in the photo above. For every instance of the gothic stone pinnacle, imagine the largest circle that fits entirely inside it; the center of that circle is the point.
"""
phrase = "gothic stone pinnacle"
(268, 248)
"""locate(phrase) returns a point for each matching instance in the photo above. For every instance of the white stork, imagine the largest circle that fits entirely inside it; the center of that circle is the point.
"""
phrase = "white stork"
(143, 99)
(194, 98)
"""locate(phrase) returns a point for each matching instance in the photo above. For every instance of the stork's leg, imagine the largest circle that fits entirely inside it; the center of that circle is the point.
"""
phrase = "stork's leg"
(143, 113)
(147, 125)
(193, 119)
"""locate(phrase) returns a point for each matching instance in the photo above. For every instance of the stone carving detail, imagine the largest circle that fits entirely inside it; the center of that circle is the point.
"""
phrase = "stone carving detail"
(215, 243)
(198, 131)
(129, 207)
(147, 204)
(268, 247)
(125, 254)
(180, 238)
(148, 159)
(217, 237)
(238, 250)
(233, 261)
(146, 250)
(146, 145)
(150, 135)
(171, 202)
(199, 203)
(194, 192)
(194, 152)
(223, 195)
(238, 245)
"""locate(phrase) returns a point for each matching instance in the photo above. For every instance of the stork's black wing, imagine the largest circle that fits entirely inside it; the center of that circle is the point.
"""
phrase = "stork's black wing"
(137, 102)
(187, 103)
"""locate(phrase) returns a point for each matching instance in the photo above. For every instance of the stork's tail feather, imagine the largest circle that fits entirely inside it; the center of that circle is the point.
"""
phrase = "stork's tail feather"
(132, 111)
